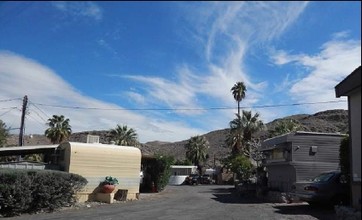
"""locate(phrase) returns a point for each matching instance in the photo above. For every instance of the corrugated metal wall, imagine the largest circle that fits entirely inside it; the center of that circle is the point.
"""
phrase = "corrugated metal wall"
(306, 163)
(96, 161)
(308, 170)
(281, 177)
(327, 148)
(309, 164)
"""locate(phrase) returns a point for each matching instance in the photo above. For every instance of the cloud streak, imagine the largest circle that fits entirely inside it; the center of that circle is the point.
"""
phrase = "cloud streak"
(226, 31)
(80, 9)
(21, 76)
(225, 36)
(322, 72)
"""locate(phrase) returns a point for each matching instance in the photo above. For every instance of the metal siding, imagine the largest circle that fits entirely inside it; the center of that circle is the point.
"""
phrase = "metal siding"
(308, 170)
(304, 165)
(95, 162)
(328, 149)
(281, 177)
(325, 159)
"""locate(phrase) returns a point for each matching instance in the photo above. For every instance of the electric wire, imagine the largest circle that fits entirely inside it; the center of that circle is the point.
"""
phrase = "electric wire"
(42, 124)
(46, 115)
(8, 108)
(187, 109)
(8, 100)
(8, 111)
(33, 110)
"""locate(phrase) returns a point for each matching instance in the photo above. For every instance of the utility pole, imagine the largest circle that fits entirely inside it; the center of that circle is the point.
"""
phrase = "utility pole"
(22, 128)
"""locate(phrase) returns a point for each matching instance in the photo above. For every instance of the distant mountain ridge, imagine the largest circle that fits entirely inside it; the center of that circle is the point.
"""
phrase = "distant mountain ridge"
(330, 121)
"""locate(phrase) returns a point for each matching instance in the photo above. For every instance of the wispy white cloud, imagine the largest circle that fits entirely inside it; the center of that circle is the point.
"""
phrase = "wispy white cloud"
(104, 44)
(21, 76)
(136, 97)
(226, 31)
(175, 94)
(322, 71)
(218, 24)
(80, 9)
(246, 22)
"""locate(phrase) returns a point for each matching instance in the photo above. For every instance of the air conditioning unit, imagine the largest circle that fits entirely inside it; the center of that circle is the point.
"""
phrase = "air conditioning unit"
(92, 139)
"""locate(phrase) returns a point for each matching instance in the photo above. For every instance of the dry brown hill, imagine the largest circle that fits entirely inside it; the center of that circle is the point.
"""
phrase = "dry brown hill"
(331, 121)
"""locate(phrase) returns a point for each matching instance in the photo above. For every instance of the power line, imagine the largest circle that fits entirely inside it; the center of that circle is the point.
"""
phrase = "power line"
(40, 111)
(187, 109)
(9, 108)
(43, 125)
(12, 108)
(38, 115)
(295, 104)
(8, 100)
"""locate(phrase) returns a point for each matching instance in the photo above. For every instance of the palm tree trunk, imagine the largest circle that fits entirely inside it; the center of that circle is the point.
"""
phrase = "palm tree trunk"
(239, 138)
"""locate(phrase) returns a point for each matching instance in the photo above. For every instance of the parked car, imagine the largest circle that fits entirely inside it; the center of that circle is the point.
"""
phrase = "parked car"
(206, 179)
(329, 188)
(193, 179)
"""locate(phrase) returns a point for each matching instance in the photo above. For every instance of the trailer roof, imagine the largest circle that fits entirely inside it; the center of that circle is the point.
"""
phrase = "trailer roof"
(21, 150)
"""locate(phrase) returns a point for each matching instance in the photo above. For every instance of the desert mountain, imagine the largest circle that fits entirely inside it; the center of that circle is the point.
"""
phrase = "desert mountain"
(330, 121)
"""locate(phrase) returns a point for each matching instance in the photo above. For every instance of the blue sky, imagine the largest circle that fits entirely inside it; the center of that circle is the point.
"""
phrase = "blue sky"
(166, 68)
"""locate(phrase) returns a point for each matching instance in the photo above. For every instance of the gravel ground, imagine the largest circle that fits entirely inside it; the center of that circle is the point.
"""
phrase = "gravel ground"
(189, 202)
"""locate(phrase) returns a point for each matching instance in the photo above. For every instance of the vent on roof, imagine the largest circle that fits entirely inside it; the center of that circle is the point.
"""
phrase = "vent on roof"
(91, 139)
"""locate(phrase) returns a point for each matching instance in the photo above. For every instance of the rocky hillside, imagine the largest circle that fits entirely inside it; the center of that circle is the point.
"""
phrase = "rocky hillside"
(331, 121)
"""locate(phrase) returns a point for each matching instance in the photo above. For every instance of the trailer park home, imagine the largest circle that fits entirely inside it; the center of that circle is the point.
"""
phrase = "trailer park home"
(93, 161)
(96, 161)
(299, 156)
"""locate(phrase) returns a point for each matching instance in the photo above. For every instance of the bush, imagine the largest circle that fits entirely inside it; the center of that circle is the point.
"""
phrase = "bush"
(164, 165)
(28, 191)
(344, 156)
(15, 193)
(240, 165)
(160, 171)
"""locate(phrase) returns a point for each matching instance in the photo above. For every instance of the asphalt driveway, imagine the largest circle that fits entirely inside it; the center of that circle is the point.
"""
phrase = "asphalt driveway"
(190, 202)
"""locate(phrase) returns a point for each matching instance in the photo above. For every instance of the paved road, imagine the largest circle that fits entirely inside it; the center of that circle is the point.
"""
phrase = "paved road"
(190, 203)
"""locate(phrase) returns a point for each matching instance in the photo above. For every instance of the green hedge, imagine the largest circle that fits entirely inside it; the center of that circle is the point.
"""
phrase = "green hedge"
(164, 167)
(29, 191)
(344, 161)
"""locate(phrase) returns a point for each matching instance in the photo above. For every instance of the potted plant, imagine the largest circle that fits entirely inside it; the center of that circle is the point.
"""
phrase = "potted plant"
(109, 184)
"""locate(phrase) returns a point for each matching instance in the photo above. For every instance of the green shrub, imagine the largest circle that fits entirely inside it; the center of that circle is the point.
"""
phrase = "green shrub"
(164, 164)
(160, 170)
(30, 191)
(344, 156)
(240, 165)
(15, 193)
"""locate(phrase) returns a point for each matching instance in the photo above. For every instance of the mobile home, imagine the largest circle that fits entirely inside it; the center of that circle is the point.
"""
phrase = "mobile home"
(96, 161)
(180, 172)
(299, 156)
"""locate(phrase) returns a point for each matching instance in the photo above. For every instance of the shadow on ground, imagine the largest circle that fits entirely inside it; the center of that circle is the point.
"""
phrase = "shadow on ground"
(323, 213)
(229, 195)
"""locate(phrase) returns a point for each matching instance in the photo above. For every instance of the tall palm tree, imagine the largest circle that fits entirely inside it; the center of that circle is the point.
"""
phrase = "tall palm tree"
(251, 124)
(196, 150)
(124, 136)
(235, 136)
(238, 91)
(242, 129)
(59, 129)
